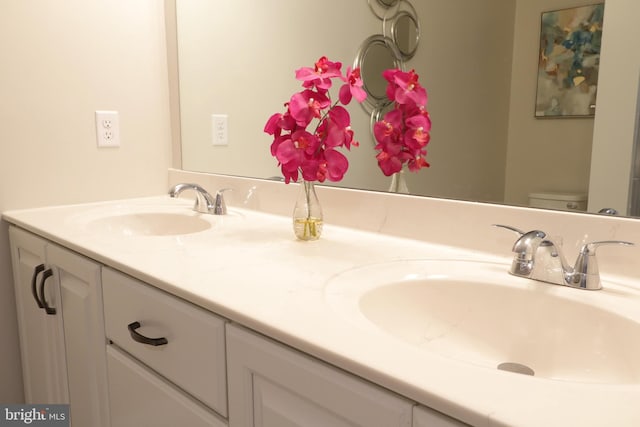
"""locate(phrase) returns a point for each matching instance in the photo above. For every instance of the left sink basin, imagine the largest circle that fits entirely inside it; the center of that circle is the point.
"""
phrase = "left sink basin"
(150, 224)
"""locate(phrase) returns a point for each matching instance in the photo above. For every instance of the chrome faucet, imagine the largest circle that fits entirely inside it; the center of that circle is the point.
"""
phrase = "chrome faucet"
(205, 203)
(538, 257)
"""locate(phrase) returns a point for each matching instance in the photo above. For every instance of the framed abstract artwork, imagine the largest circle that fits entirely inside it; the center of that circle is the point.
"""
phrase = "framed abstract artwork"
(569, 58)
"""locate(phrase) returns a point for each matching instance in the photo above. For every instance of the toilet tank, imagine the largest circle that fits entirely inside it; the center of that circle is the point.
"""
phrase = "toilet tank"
(560, 201)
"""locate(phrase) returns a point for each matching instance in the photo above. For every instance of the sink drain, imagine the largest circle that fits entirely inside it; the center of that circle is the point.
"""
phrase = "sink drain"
(518, 368)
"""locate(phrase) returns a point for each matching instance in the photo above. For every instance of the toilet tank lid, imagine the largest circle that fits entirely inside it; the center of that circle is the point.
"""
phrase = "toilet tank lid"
(570, 197)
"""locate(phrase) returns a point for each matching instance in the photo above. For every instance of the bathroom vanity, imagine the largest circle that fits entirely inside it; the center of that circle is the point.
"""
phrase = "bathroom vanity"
(145, 321)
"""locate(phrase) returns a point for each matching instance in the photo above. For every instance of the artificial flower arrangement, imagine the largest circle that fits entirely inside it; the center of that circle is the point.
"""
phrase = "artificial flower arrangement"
(404, 132)
(313, 153)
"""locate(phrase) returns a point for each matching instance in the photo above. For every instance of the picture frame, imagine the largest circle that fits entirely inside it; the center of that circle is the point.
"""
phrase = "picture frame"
(568, 61)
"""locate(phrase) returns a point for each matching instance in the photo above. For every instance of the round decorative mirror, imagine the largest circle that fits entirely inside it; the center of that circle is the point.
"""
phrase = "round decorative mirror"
(376, 54)
(402, 25)
(381, 7)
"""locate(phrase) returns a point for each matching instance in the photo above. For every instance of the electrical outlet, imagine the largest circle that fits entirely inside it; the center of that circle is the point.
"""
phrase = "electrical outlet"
(107, 129)
(219, 129)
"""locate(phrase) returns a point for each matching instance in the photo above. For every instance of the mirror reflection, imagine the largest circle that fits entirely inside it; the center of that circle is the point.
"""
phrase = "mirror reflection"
(401, 24)
(387, 3)
(376, 54)
(381, 7)
(477, 59)
(376, 58)
(405, 33)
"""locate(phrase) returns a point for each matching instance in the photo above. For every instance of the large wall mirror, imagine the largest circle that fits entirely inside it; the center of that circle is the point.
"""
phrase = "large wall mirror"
(478, 60)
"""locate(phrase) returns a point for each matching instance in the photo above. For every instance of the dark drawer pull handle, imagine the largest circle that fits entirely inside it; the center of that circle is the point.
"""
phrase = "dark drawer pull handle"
(138, 337)
(50, 310)
(39, 269)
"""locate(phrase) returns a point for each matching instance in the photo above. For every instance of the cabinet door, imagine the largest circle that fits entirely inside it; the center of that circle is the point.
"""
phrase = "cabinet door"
(271, 385)
(425, 417)
(193, 354)
(78, 279)
(140, 398)
(41, 334)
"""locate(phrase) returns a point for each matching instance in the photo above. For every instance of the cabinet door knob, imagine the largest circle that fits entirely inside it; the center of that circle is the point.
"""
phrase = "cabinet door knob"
(138, 337)
(39, 269)
(50, 310)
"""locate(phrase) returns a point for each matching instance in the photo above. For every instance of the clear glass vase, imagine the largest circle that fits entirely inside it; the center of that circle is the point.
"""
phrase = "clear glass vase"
(399, 183)
(307, 214)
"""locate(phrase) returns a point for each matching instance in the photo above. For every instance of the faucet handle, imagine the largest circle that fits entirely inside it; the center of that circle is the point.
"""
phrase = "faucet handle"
(510, 228)
(585, 272)
(528, 242)
(590, 248)
(608, 211)
(524, 249)
(220, 207)
(203, 202)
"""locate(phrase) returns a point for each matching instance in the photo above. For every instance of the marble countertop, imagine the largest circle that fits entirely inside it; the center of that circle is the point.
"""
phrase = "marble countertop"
(250, 269)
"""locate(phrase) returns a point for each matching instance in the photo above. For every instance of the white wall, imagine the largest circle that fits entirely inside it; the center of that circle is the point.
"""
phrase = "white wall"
(550, 154)
(61, 61)
(464, 60)
(617, 108)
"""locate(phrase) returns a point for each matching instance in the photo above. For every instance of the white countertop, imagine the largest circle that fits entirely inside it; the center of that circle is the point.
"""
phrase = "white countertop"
(250, 269)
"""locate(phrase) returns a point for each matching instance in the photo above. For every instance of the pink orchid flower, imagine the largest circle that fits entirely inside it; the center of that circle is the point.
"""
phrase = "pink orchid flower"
(404, 87)
(337, 129)
(336, 163)
(418, 163)
(418, 127)
(314, 154)
(307, 105)
(388, 163)
(389, 127)
(404, 131)
(353, 87)
(320, 76)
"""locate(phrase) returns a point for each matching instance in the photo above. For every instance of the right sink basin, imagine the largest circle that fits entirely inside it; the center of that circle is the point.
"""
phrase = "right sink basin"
(477, 313)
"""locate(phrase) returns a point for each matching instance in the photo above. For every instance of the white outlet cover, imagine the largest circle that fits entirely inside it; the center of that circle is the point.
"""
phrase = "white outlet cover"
(107, 129)
(219, 129)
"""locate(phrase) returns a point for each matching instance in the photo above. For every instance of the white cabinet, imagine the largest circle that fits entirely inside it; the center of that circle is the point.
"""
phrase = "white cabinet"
(59, 301)
(271, 385)
(181, 347)
(141, 398)
(44, 369)
(425, 417)
(153, 359)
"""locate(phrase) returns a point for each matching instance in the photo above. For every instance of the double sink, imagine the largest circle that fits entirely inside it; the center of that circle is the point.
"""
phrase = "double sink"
(470, 311)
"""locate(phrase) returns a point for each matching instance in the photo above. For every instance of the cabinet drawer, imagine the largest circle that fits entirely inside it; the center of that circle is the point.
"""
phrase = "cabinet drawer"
(194, 355)
(138, 397)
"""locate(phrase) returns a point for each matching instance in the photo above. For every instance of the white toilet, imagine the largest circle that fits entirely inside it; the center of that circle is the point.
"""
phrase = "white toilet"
(560, 201)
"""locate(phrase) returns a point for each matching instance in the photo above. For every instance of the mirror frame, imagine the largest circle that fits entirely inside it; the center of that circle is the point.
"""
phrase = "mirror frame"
(392, 22)
(381, 7)
(376, 103)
